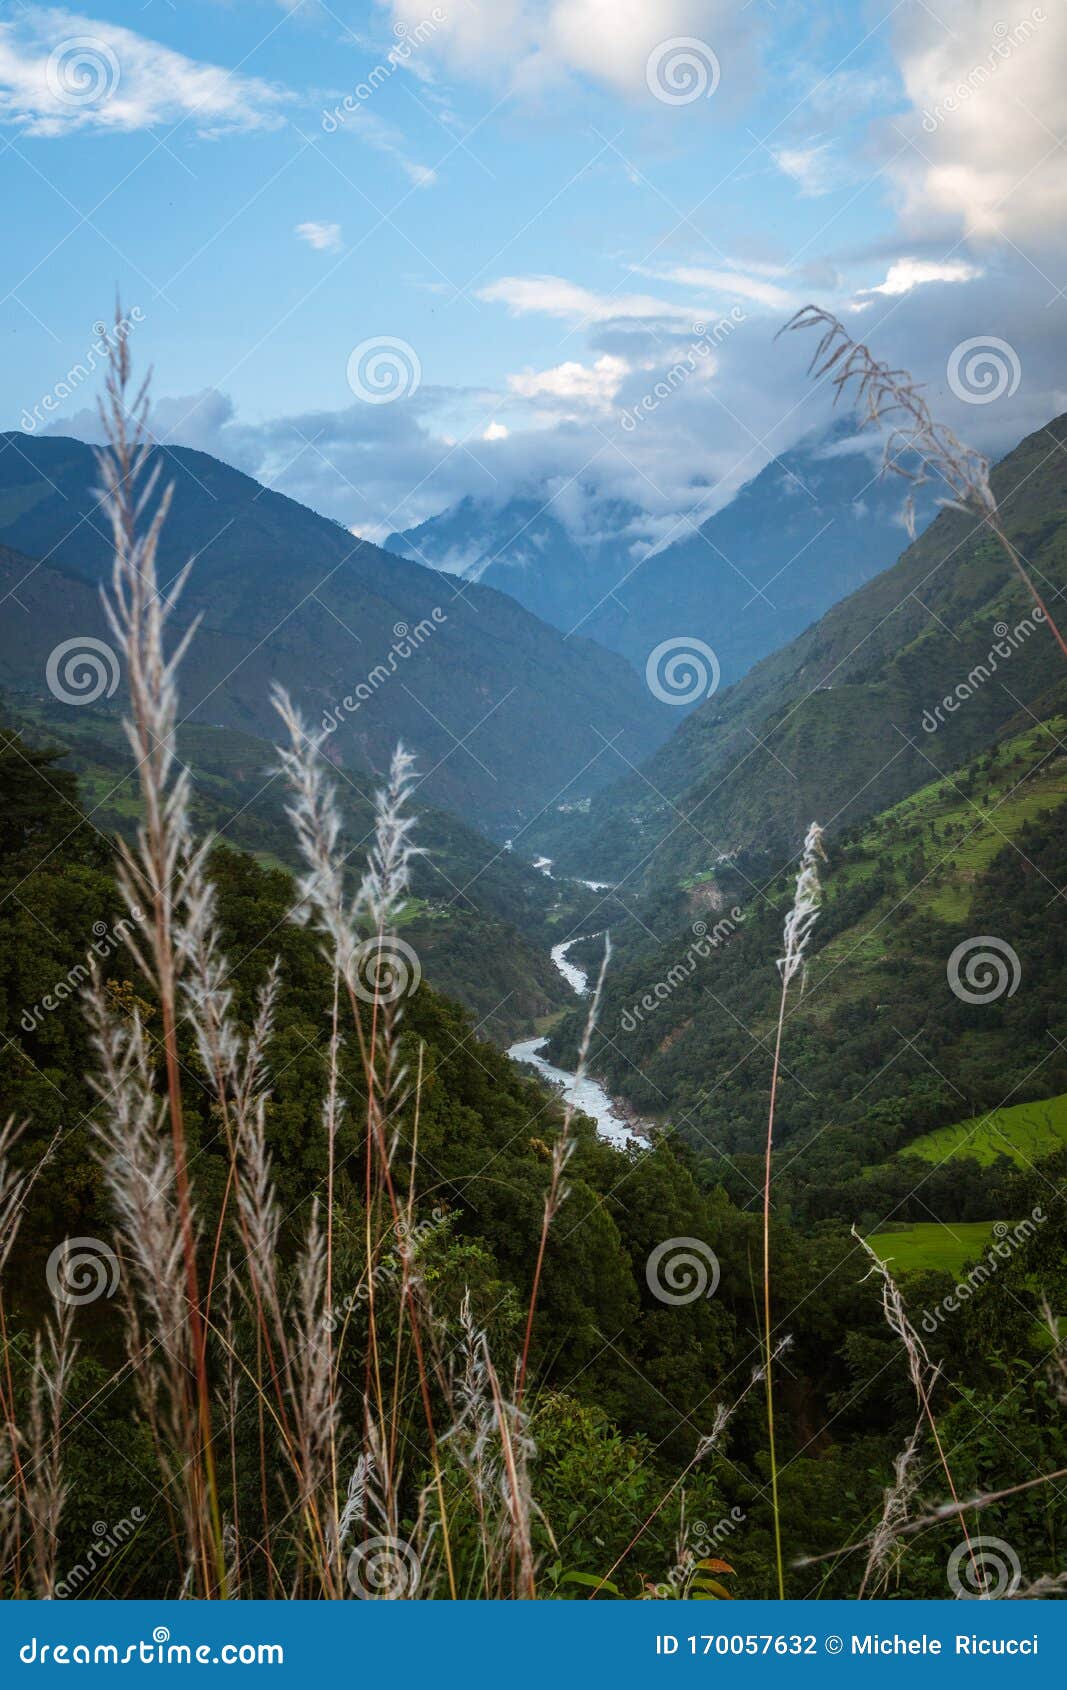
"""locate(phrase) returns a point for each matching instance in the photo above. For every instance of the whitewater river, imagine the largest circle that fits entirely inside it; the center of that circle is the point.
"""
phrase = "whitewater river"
(588, 1094)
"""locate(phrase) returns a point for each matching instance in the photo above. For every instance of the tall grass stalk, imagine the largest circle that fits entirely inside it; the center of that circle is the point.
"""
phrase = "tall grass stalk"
(893, 401)
(802, 917)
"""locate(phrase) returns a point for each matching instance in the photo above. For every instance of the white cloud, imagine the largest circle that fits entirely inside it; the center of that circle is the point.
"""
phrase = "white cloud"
(554, 296)
(908, 273)
(573, 384)
(324, 237)
(813, 168)
(60, 71)
(729, 282)
(989, 103)
(528, 44)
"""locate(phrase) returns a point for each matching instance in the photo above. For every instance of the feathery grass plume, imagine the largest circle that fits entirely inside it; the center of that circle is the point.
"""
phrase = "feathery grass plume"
(799, 923)
(893, 401)
(46, 1488)
(885, 1540)
(923, 1373)
(150, 871)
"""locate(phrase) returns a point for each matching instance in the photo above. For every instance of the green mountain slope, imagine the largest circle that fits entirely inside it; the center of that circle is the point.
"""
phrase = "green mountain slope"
(503, 712)
(480, 921)
(837, 725)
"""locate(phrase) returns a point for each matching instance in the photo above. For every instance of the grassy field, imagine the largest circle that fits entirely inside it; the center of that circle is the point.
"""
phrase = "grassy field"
(932, 1244)
(1025, 1132)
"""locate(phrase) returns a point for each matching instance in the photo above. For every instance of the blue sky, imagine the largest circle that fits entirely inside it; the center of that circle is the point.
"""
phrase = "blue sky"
(516, 197)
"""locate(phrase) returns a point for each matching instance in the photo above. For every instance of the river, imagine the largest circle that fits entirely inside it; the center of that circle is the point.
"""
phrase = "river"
(586, 1094)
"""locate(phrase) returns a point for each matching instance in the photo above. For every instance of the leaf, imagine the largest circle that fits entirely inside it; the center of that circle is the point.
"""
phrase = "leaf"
(714, 1566)
(592, 1580)
(712, 1587)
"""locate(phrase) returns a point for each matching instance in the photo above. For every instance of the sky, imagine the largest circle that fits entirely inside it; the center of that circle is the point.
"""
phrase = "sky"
(387, 255)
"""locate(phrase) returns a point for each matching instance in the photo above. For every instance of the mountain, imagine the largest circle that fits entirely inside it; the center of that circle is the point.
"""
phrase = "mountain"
(812, 526)
(502, 712)
(849, 717)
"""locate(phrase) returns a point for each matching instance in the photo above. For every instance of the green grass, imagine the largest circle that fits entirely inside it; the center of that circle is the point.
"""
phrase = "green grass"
(932, 1244)
(1025, 1132)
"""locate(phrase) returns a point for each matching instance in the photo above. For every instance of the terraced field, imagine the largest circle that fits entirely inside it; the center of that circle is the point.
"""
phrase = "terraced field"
(1025, 1133)
(932, 1245)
